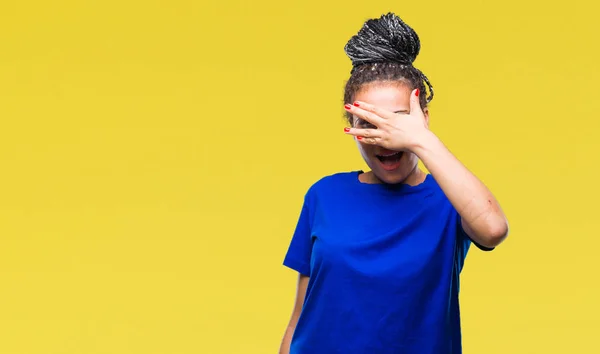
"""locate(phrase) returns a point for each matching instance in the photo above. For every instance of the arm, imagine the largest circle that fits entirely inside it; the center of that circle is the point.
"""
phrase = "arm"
(481, 215)
(291, 327)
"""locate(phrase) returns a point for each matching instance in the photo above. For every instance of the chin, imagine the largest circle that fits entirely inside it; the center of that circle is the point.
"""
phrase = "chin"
(395, 176)
(393, 173)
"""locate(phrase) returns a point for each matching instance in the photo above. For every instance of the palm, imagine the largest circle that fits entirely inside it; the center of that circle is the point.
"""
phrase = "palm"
(394, 131)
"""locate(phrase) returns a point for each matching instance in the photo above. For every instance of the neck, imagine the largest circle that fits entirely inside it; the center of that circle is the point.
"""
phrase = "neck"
(415, 177)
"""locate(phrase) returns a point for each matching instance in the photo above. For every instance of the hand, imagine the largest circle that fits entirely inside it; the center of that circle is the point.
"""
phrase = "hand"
(393, 131)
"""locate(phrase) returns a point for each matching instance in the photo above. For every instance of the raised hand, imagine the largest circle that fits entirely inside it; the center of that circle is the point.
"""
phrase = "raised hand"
(399, 131)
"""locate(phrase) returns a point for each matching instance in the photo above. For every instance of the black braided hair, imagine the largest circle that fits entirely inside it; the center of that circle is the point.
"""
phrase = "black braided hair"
(384, 50)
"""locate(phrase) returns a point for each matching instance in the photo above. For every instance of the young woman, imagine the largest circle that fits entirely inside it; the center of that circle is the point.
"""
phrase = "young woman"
(379, 253)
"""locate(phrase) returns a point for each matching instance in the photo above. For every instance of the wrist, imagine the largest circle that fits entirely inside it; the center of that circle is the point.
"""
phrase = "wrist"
(425, 141)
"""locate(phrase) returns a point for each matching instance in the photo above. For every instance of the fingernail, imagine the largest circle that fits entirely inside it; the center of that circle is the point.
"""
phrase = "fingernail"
(346, 129)
(356, 104)
(359, 137)
(417, 93)
(347, 106)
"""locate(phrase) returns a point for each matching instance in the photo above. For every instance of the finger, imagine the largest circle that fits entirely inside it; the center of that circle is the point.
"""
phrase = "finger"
(415, 105)
(364, 133)
(370, 141)
(380, 112)
(365, 115)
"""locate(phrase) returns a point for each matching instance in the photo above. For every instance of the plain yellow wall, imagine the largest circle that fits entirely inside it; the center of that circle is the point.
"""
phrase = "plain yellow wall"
(155, 154)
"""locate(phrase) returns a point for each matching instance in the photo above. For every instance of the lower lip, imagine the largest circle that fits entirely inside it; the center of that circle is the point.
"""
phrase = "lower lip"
(391, 167)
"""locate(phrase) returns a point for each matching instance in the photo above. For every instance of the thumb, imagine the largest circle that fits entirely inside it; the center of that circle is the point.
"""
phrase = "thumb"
(415, 106)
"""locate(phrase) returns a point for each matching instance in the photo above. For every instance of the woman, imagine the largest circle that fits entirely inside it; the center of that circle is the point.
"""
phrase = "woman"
(379, 253)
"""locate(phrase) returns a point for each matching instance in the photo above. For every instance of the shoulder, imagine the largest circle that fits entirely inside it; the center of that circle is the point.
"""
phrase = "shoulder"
(433, 185)
(329, 183)
(329, 187)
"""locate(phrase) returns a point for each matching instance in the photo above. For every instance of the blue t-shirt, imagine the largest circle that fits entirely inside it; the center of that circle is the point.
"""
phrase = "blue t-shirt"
(384, 264)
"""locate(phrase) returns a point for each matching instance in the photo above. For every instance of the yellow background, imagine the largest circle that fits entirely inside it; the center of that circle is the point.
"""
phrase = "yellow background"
(155, 154)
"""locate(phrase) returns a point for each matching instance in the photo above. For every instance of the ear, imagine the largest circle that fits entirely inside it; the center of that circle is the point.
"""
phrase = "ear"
(426, 115)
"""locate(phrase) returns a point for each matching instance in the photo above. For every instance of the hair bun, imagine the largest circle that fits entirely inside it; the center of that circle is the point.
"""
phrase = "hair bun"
(386, 39)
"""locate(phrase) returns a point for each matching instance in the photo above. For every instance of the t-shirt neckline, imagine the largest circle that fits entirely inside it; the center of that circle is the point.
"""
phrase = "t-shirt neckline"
(391, 188)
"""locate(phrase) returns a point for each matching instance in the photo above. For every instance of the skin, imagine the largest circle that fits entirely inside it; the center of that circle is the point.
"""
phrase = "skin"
(291, 327)
(393, 98)
(396, 122)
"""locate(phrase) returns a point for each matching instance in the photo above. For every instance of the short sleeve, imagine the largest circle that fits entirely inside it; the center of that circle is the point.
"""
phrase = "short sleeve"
(300, 249)
(463, 242)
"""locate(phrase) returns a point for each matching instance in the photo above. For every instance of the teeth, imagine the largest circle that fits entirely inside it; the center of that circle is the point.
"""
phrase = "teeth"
(392, 154)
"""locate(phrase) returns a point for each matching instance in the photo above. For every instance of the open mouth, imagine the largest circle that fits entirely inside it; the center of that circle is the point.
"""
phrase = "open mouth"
(390, 161)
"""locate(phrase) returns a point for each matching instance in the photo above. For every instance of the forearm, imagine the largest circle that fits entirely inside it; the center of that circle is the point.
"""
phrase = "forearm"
(298, 305)
(287, 340)
(481, 214)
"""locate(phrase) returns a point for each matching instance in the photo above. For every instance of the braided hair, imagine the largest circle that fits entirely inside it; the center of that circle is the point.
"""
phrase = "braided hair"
(384, 50)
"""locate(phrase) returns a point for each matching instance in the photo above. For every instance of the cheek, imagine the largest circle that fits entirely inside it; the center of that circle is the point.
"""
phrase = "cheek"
(411, 159)
(364, 148)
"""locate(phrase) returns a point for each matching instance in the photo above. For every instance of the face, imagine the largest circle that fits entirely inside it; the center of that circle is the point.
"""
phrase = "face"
(387, 166)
